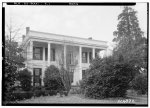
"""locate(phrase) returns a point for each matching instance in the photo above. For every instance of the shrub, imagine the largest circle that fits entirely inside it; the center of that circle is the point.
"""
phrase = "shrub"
(75, 91)
(52, 80)
(20, 95)
(65, 76)
(52, 92)
(24, 76)
(108, 78)
(140, 83)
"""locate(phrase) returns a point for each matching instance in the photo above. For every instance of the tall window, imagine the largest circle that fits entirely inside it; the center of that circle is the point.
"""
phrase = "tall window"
(84, 57)
(71, 75)
(90, 56)
(37, 53)
(37, 76)
(70, 58)
(52, 54)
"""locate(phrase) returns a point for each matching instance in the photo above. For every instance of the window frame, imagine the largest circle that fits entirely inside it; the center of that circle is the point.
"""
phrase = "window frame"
(40, 53)
(84, 59)
(37, 76)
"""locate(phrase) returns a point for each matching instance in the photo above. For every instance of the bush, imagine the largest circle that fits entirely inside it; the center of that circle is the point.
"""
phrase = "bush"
(65, 76)
(24, 76)
(75, 90)
(40, 91)
(52, 80)
(140, 83)
(20, 95)
(52, 92)
(108, 78)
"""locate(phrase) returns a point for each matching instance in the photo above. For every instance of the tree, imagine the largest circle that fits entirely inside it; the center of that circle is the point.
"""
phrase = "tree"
(52, 79)
(129, 38)
(12, 59)
(109, 78)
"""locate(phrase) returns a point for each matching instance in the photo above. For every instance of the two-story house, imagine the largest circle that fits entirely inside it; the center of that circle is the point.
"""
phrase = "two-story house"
(44, 49)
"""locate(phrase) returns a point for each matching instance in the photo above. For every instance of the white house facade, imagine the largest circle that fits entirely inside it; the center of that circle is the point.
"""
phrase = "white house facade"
(44, 49)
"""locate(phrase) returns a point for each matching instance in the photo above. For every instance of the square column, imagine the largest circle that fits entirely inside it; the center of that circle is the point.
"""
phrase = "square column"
(43, 53)
(65, 56)
(30, 67)
(31, 50)
(49, 53)
(80, 63)
(93, 53)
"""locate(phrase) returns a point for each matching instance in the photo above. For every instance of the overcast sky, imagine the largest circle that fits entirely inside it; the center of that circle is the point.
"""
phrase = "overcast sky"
(98, 22)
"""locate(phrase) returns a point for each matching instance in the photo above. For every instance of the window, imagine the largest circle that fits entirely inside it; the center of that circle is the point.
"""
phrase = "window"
(84, 57)
(70, 58)
(37, 53)
(83, 74)
(52, 54)
(71, 75)
(37, 76)
(46, 54)
(90, 57)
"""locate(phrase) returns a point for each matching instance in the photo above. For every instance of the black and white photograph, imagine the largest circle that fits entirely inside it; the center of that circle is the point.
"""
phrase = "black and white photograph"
(75, 53)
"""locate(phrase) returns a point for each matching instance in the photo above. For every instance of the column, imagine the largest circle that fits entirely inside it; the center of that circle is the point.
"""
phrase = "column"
(31, 50)
(43, 53)
(93, 53)
(65, 56)
(30, 67)
(80, 63)
(49, 53)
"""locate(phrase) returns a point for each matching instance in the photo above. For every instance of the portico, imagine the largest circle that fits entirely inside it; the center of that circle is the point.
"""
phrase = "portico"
(45, 49)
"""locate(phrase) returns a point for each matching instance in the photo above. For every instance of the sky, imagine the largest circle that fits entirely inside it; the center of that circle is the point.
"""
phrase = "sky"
(98, 22)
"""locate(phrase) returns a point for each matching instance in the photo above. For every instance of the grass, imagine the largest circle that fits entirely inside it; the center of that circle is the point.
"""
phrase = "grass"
(82, 99)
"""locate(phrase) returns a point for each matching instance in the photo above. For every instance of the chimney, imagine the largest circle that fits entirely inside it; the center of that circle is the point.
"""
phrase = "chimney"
(90, 38)
(27, 30)
(23, 36)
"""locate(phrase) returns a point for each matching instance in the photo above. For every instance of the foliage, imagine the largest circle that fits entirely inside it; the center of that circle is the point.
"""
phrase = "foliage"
(109, 78)
(140, 83)
(52, 80)
(75, 90)
(17, 96)
(24, 76)
(132, 45)
(65, 79)
(12, 61)
(129, 38)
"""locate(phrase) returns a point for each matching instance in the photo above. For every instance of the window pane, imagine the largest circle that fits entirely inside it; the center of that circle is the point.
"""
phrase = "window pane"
(37, 53)
(84, 57)
(37, 50)
(37, 76)
(37, 72)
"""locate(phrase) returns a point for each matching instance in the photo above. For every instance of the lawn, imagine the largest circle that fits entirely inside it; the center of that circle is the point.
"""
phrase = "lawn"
(82, 99)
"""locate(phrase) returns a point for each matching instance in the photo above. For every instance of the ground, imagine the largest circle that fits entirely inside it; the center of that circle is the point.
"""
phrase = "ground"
(82, 99)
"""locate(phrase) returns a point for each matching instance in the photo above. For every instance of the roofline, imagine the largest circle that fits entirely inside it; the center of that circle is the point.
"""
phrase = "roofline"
(67, 36)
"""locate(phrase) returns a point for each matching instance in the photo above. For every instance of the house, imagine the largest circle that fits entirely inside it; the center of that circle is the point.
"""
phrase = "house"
(44, 49)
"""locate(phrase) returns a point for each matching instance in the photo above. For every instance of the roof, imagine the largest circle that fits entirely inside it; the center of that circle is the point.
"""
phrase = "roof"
(63, 38)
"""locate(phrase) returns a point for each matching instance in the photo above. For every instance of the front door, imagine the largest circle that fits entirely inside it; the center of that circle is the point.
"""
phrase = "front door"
(37, 76)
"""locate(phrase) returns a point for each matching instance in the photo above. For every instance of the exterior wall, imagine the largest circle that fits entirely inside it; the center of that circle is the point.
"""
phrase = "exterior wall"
(31, 64)
(74, 45)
